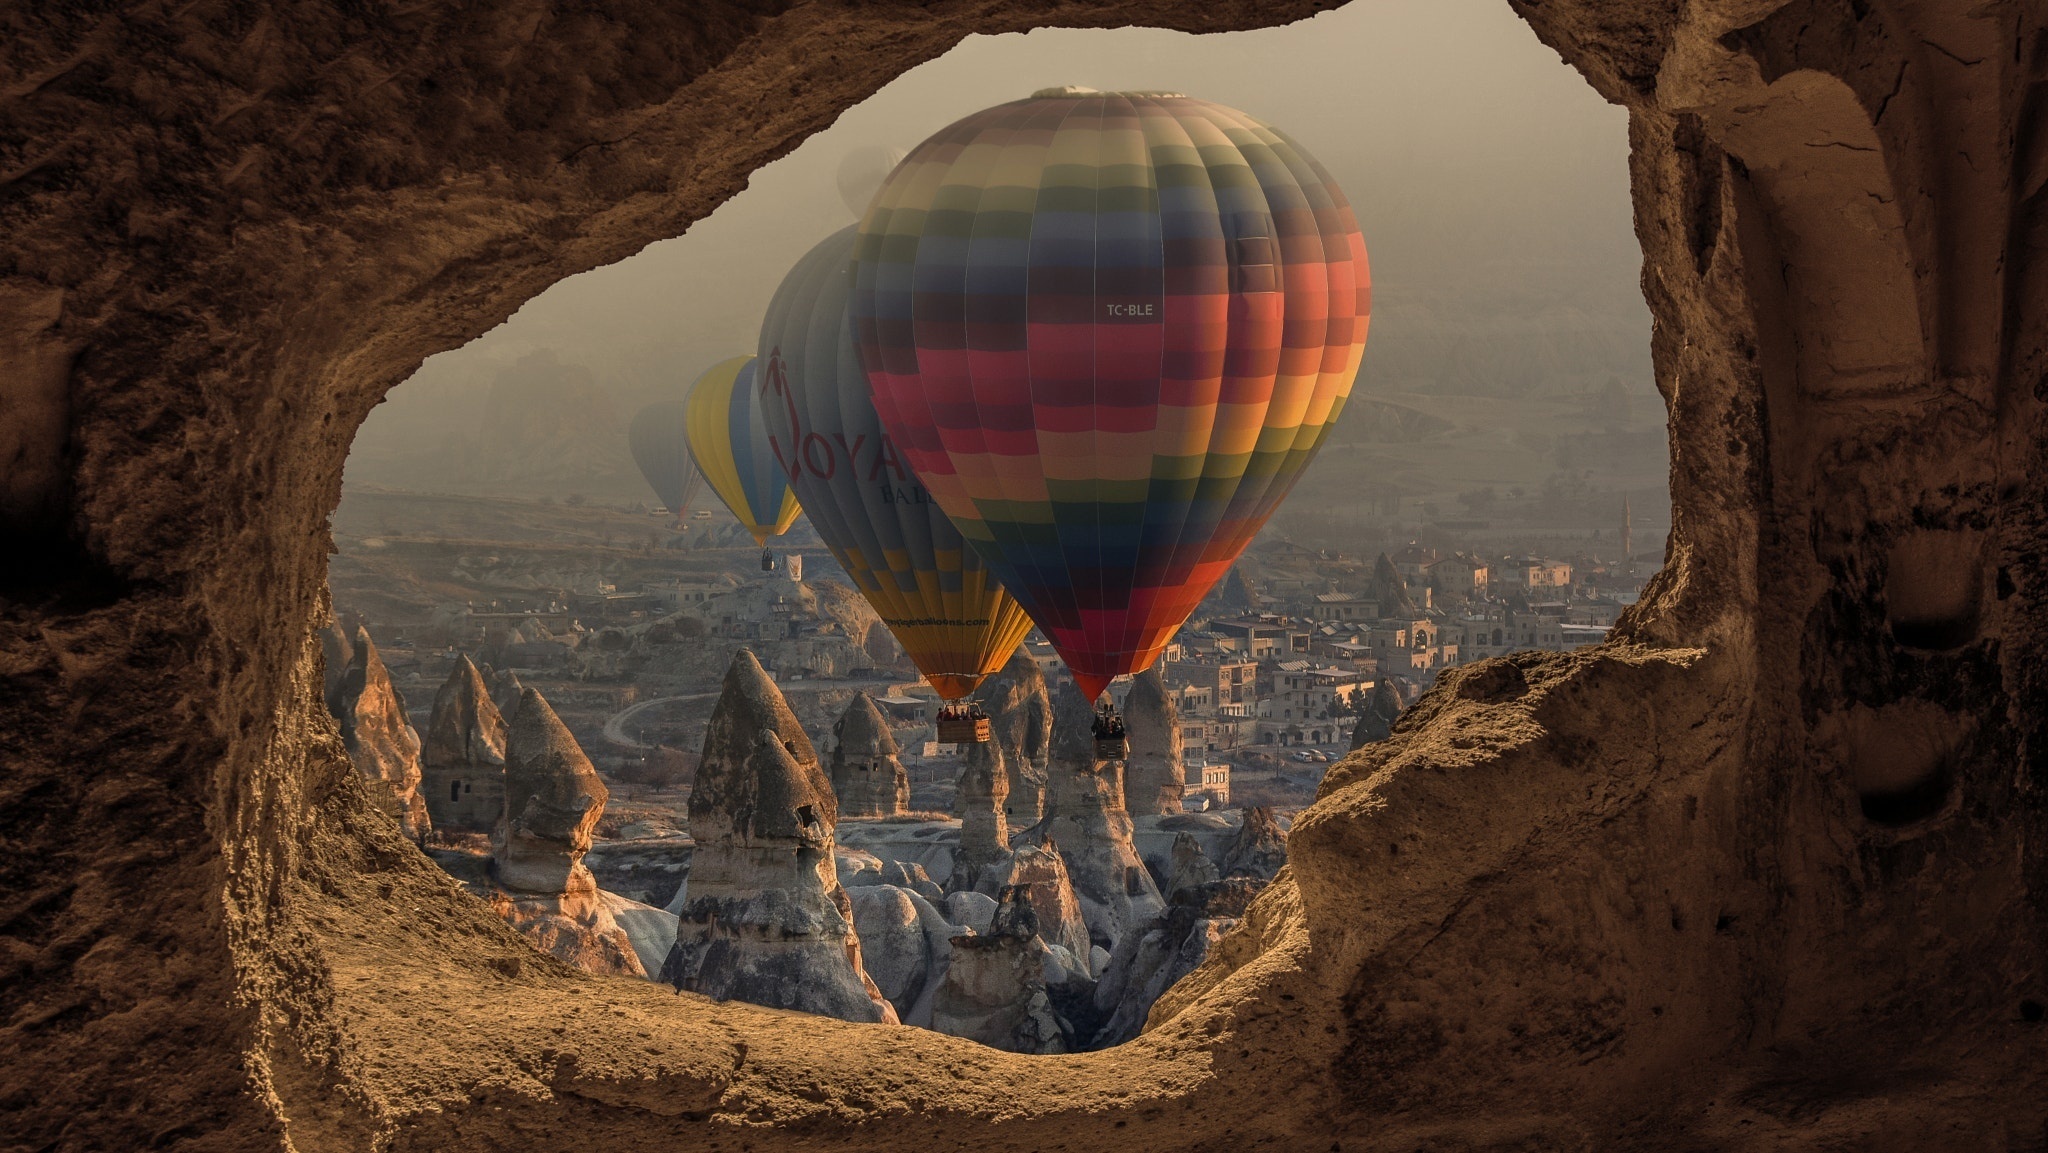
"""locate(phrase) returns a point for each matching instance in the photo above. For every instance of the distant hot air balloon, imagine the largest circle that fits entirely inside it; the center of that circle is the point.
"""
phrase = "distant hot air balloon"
(730, 443)
(862, 171)
(1109, 330)
(660, 445)
(907, 559)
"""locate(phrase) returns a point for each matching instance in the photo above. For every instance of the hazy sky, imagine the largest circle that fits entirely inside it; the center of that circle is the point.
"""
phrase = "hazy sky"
(1489, 180)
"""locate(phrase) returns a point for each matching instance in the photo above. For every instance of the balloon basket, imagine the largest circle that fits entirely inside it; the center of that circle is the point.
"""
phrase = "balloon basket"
(1111, 742)
(963, 725)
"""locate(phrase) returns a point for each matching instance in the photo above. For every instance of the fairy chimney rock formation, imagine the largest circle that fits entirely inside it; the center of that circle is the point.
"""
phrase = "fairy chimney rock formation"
(1190, 868)
(994, 991)
(505, 689)
(1020, 720)
(978, 799)
(463, 763)
(1259, 849)
(1085, 815)
(867, 777)
(1389, 590)
(764, 919)
(553, 799)
(1040, 872)
(1376, 720)
(1153, 775)
(374, 727)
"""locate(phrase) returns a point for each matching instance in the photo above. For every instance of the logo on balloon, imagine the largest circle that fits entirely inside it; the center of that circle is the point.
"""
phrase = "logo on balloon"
(810, 454)
(1131, 308)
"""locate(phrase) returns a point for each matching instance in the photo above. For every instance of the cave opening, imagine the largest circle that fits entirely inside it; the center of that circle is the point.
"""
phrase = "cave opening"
(1655, 893)
(1506, 417)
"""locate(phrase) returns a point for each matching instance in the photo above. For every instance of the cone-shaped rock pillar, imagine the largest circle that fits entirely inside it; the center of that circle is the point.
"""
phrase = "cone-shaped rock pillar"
(1154, 778)
(978, 800)
(1020, 717)
(1376, 719)
(763, 918)
(553, 800)
(463, 762)
(1390, 590)
(1259, 849)
(867, 777)
(1085, 814)
(374, 727)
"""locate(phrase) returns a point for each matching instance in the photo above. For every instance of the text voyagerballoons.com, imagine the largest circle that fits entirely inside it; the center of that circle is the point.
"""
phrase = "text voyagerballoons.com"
(661, 449)
(730, 443)
(934, 593)
(1109, 331)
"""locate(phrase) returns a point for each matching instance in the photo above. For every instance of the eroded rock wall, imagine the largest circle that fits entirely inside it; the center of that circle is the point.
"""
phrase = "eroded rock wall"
(1758, 874)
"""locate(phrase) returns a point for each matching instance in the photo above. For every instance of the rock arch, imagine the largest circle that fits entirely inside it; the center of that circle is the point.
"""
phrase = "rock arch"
(1643, 895)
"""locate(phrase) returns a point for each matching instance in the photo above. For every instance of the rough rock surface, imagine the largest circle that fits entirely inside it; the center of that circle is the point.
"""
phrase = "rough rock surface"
(377, 733)
(1020, 723)
(650, 870)
(1085, 816)
(994, 990)
(905, 945)
(763, 919)
(1148, 962)
(1389, 590)
(1259, 849)
(462, 764)
(1039, 873)
(1758, 873)
(578, 926)
(506, 690)
(553, 801)
(980, 797)
(867, 778)
(930, 845)
(1190, 867)
(1154, 777)
(1376, 720)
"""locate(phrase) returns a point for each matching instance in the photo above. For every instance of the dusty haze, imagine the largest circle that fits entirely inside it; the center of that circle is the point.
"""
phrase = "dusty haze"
(1510, 343)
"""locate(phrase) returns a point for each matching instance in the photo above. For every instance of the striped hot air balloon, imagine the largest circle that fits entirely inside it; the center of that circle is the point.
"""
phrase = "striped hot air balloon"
(1109, 331)
(730, 443)
(931, 590)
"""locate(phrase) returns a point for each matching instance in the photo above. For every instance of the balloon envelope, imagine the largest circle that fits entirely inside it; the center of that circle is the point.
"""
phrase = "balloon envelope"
(862, 171)
(730, 443)
(660, 443)
(935, 594)
(1109, 330)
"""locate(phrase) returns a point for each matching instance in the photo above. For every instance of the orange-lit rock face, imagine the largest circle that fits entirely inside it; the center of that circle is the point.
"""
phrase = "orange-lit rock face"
(1755, 876)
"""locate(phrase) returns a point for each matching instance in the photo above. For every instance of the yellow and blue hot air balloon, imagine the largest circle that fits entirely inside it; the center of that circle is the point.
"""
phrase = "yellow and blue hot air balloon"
(931, 590)
(730, 443)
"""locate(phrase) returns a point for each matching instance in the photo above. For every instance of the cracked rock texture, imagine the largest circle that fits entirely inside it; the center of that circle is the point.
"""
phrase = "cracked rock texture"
(867, 778)
(1020, 723)
(1085, 816)
(763, 918)
(463, 761)
(375, 729)
(1154, 776)
(1761, 873)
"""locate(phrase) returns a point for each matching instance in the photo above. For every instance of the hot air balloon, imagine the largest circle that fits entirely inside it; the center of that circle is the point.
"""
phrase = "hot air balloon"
(861, 172)
(661, 449)
(1109, 330)
(905, 556)
(730, 442)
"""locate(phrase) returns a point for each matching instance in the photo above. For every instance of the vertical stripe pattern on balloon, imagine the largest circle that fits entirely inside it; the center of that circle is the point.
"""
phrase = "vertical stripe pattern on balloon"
(1109, 331)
